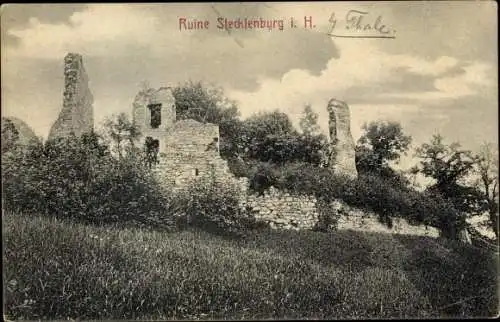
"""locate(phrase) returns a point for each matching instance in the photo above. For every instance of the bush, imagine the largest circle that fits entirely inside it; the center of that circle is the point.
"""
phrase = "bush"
(327, 216)
(78, 178)
(214, 208)
(387, 197)
(265, 176)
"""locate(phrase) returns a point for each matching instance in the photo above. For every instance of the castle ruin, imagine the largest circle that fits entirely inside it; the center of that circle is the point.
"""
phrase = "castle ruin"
(342, 149)
(77, 114)
(180, 151)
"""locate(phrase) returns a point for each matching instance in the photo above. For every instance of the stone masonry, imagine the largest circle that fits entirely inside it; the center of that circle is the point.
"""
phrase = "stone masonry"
(77, 114)
(342, 158)
(186, 150)
(281, 210)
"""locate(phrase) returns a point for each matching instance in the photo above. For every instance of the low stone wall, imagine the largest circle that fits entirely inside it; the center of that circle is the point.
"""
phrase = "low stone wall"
(282, 210)
(362, 220)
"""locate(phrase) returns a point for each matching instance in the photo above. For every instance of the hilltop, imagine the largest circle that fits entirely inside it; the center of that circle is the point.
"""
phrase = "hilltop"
(69, 270)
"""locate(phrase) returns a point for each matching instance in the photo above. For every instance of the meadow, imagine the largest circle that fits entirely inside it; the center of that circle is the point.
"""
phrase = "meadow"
(59, 269)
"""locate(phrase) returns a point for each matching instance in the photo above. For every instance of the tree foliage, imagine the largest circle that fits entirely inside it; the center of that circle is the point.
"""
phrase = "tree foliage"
(194, 100)
(381, 143)
(271, 137)
(10, 135)
(78, 177)
(448, 165)
(486, 180)
(121, 133)
(309, 122)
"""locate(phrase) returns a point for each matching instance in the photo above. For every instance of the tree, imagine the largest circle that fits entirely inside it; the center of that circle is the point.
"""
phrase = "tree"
(381, 143)
(193, 100)
(10, 135)
(448, 165)
(196, 101)
(271, 137)
(486, 180)
(309, 122)
(121, 133)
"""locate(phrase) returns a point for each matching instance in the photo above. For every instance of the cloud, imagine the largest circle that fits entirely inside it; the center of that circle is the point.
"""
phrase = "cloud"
(475, 77)
(364, 67)
(138, 36)
(98, 30)
(416, 91)
(126, 44)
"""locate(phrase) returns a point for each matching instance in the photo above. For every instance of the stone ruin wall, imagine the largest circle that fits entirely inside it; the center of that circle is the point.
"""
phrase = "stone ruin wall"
(189, 152)
(77, 114)
(342, 147)
(142, 117)
(281, 210)
(185, 157)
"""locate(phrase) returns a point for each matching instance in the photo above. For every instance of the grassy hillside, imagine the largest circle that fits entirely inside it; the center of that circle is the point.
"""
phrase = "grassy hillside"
(62, 270)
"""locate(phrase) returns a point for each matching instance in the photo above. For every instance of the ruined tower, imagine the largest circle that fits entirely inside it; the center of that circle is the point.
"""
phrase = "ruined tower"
(154, 114)
(342, 156)
(77, 114)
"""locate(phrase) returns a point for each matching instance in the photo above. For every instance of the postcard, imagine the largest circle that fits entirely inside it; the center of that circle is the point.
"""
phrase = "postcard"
(250, 160)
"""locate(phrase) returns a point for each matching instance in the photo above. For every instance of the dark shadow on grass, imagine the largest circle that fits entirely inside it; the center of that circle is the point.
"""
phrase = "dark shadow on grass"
(459, 280)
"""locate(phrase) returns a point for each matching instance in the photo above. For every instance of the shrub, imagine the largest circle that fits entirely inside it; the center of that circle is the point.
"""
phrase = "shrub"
(265, 176)
(327, 216)
(387, 197)
(78, 178)
(214, 208)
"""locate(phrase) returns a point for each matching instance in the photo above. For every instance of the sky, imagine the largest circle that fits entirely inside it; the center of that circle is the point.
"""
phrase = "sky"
(438, 75)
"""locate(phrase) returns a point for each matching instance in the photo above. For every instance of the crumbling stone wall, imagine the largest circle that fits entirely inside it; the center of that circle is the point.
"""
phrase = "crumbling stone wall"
(142, 113)
(282, 210)
(77, 114)
(186, 150)
(362, 220)
(342, 155)
(189, 150)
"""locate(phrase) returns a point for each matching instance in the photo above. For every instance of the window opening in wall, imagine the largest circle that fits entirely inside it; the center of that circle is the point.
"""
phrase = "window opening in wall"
(152, 149)
(155, 110)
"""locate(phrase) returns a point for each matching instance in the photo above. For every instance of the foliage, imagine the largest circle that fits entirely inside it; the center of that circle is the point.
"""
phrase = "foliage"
(486, 180)
(265, 176)
(69, 270)
(78, 177)
(270, 137)
(121, 133)
(194, 100)
(447, 165)
(381, 143)
(212, 207)
(309, 122)
(328, 216)
(444, 163)
(10, 135)
(290, 148)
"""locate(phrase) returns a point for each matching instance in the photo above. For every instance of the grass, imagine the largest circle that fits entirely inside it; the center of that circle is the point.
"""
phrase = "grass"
(60, 270)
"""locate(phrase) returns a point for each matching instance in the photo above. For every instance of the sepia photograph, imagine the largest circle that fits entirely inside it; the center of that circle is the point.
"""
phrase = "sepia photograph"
(250, 160)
